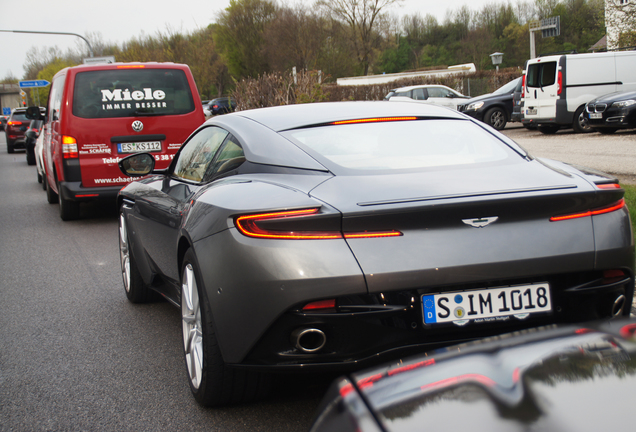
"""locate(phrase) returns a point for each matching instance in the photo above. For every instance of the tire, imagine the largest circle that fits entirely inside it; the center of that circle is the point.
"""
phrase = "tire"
(51, 196)
(136, 290)
(44, 182)
(548, 130)
(69, 210)
(579, 124)
(496, 117)
(606, 131)
(39, 177)
(10, 146)
(30, 158)
(212, 383)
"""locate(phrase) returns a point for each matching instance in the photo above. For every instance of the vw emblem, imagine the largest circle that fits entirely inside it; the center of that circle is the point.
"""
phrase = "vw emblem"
(480, 222)
(137, 126)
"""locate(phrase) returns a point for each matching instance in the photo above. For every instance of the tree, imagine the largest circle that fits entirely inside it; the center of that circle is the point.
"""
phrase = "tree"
(620, 20)
(361, 16)
(239, 36)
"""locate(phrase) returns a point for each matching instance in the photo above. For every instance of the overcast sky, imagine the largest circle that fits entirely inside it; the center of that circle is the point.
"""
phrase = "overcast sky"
(120, 20)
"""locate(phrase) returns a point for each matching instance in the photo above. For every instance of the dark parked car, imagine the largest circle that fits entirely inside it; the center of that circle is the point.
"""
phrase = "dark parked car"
(565, 378)
(32, 134)
(334, 234)
(3, 121)
(517, 102)
(16, 128)
(612, 112)
(221, 105)
(494, 108)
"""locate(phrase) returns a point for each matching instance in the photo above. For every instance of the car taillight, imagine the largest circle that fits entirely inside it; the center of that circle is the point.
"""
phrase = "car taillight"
(215, 106)
(617, 206)
(560, 83)
(14, 123)
(523, 86)
(69, 147)
(608, 186)
(254, 226)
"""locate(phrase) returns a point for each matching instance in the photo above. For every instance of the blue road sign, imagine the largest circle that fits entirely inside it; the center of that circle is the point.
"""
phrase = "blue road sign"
(6, 111)
(34, 83)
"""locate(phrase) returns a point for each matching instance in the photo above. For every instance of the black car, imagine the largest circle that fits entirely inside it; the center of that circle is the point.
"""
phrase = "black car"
(332, 235)
(31, 137)
(612, 112)
(494, 108)
(560, 378)
(222, 105)
(517, 102)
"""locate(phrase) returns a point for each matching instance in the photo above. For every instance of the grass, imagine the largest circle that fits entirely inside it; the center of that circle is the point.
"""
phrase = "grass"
(630, 199)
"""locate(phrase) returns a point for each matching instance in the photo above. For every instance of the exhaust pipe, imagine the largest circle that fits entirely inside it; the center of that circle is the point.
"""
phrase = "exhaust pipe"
(618, 306)
(308, 340)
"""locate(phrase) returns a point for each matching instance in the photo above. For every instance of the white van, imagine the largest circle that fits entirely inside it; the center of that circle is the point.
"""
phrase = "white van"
(558, 87)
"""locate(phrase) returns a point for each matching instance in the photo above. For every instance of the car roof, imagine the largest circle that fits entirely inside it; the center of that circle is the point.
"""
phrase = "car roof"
(305, 115)
(407, 88)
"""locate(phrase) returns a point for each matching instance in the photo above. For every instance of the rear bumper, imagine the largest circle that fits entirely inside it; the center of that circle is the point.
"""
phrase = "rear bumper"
(392, 326)
(74, 191)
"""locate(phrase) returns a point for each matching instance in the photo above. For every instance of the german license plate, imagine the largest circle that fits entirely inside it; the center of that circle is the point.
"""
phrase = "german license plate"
(486, 304)
(596, 116)
(531, 111)
(136, 147)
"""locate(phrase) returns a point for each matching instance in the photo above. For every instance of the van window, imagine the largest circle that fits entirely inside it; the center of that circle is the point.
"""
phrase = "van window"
(131, 92)
(541, 74)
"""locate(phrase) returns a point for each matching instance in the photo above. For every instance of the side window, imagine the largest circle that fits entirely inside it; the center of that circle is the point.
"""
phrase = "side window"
(55, 99)
(436, 92)
(541, 74)
(418, 94)
(230, 157)
(198, 152)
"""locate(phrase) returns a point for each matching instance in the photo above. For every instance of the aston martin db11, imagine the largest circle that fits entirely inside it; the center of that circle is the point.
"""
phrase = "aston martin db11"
(334, 234)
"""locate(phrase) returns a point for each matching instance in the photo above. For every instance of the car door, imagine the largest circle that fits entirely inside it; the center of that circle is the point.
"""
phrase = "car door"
(542, 89)
(163, 206)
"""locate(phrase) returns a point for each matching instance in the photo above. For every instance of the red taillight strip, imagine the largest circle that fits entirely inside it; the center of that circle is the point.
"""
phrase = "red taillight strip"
(373, 234)
(374, 120)
(619, 205)
(608, 186)
(247, 226)
(321, 304)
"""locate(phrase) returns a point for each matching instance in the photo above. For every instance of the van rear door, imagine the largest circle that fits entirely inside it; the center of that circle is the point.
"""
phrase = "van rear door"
(124, 110)
(542, 88)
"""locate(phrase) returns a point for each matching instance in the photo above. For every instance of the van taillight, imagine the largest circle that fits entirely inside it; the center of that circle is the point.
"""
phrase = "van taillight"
(560, 83)
(69, 147)
(523, 86)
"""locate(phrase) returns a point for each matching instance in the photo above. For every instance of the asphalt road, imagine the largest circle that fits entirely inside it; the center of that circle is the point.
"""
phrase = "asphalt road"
(76, 355)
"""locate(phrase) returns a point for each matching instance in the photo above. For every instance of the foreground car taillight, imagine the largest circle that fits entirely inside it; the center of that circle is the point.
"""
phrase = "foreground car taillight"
(617, 206)
(69, 147)
(254, 226)
(14, 123)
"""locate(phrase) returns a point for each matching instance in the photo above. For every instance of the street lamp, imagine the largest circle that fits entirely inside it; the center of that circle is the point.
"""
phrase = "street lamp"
(496, 59)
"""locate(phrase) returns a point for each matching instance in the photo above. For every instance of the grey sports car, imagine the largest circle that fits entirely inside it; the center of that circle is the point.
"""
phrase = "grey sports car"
(335, 234)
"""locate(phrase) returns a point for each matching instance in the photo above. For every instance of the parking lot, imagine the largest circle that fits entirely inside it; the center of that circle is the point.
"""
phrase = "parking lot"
(615, 154)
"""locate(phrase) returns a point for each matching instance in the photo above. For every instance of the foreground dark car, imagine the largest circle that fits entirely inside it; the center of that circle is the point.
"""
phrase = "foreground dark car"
(557, 378)
(494, 108)
(612, 112)
(332, 234)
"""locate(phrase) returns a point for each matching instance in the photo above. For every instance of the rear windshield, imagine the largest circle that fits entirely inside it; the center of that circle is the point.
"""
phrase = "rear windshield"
(541, 74)
(131, 92)
(21, 117)
(398, 145)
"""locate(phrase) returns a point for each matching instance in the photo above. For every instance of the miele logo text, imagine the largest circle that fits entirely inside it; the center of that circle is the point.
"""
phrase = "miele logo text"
(119, 95)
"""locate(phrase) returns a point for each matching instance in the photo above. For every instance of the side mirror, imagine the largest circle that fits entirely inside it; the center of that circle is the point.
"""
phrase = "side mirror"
(137, 165)
(31, 134)
(34, 113)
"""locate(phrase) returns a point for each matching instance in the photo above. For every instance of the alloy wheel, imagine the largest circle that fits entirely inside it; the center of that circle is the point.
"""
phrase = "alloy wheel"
(192, 326)
(124, 252)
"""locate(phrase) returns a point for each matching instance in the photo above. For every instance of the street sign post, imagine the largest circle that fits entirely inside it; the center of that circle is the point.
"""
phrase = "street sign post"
(34, 83)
